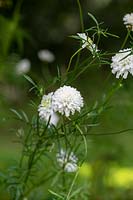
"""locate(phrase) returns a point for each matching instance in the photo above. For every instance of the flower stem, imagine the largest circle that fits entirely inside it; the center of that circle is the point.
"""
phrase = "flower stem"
(126, 38)
(82, 29)
(70, 61)
(81, 16)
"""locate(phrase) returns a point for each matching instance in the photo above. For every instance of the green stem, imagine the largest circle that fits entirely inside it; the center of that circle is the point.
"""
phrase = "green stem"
(111, 93)
(22, 155)
(84, 69)
(72, 185)
(40, 183)
(84, 139)
(70, 61)
(63, 181)
(101, 107)
(81, 16)
(30, 162)
(82, 29)
(125, 40)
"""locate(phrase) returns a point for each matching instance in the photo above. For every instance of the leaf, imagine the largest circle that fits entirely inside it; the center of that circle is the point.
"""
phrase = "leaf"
(76, 192)
(55, 194)
(30, 80)
(112, 35)
(16, 113)
(25, 116)
(93, 18)
(74, 36)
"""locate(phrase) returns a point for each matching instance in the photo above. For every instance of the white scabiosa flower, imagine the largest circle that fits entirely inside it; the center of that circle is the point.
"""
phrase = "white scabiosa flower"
(46, 56)
(23, 66)
(66, 100)
(128, 21)
(122, 63)
(45, 110)
(68, 161)
(87, 43)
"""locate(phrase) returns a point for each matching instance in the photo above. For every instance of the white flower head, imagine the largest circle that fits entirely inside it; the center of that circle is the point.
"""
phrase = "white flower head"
(122, 63)
(23, 66)
(66, 100)
(45, 110)
(128, 21)
(87, 43)
(46, 56)
(68, 161)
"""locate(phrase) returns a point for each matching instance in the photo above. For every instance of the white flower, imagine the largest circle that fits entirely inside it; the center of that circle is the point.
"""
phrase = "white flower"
(46, 55)
(66, 100)
(45, 110)
(128, 21)
(23, 66)
(87, 43)
(122, 63)
(68, 161)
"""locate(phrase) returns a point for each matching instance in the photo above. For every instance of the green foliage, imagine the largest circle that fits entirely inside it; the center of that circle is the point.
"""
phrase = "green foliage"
(37, 174)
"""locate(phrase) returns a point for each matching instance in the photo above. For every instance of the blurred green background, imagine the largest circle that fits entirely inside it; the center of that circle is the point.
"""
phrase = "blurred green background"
(28, 26)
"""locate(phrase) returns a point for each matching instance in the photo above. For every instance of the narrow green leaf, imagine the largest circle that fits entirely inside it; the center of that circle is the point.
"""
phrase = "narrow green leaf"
(74, 36)
(55, 194)
(25, 116)
(16, 113)
(30, 80)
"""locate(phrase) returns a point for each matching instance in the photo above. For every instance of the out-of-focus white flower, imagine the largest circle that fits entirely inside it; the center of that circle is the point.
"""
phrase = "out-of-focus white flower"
(66, 100)
(68, 161)
(128, 21)
(46, 111)
(46, 55)
(87, 43)
(23, 66)
(122, 63)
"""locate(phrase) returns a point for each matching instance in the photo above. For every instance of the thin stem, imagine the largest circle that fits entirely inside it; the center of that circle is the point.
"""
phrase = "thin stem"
(82, 29)
(41, 182)
(125, 40)
(114, 89)
(81, 16)
(70, 61)
(25, 142)
(30, 162)
(84, 139)
(110, 133)
(31, 158)
(106, 80)
(63, 180)
(71, 187)
(84, 69)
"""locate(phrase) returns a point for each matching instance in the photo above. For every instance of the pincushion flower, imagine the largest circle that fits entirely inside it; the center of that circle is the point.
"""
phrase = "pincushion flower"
(46, 55)
(46, 111)
(128, 21)
(87, 42)
(122, 63)
(23, 66)
(66, 100)
(68, 161)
